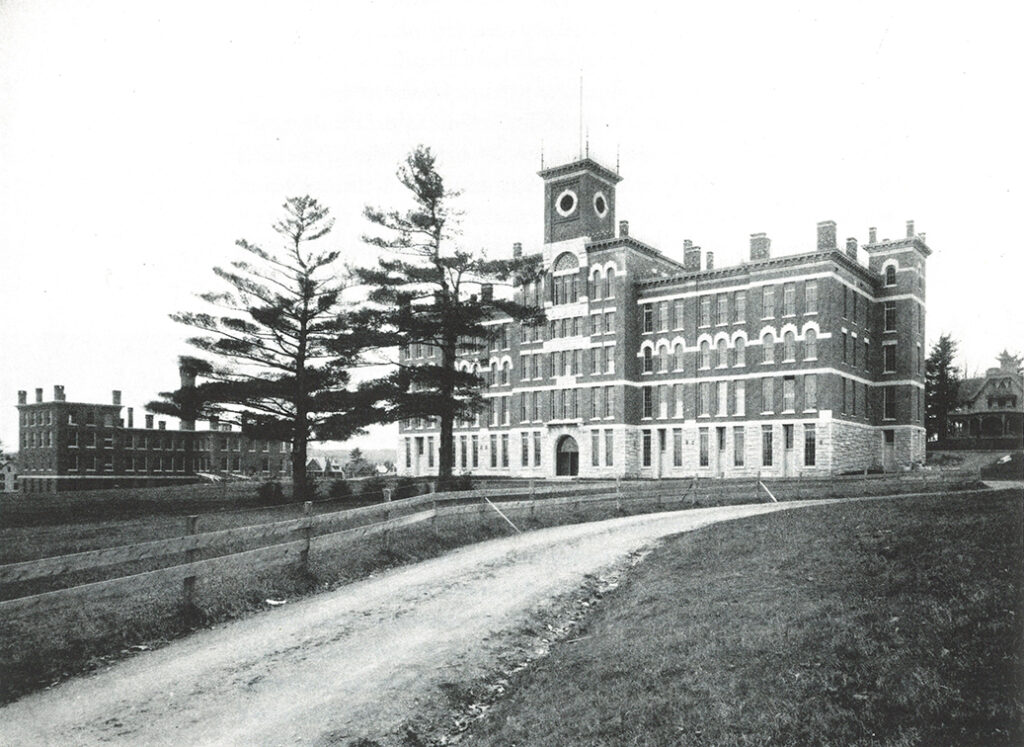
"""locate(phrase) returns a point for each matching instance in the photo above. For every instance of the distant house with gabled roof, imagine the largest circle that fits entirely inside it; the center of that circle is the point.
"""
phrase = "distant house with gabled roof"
(992, 406)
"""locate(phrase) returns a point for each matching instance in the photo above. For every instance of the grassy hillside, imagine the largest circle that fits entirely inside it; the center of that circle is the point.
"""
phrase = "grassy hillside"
(885, 623)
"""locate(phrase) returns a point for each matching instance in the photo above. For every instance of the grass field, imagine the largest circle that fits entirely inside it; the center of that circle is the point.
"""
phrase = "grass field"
(879, 623)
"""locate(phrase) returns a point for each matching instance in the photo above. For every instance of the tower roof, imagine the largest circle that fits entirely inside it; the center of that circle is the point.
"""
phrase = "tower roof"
(582, 164)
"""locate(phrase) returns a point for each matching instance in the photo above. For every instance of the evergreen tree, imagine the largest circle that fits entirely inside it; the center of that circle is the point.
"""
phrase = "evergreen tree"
(280, 347)
(427, 291)
(941, 387)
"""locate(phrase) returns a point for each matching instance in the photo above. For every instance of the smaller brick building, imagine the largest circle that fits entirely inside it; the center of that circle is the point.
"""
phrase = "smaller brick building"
(85, 446)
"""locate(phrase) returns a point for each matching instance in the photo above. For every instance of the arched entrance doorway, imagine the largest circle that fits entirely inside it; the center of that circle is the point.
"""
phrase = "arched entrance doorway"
(567, 457)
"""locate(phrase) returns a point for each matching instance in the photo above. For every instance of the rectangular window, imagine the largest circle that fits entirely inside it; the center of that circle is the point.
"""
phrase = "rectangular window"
(609, 321)
(504, 450)
(525, 455)
(810, 444)
(811, 392)
(737, 446)
(598, 354)
(888, 403)
(663, 316)
(677, 392)
(768, 301)
(609, 357)
(811, 297)
(608, 399)
(595, 448)
(888, 358)
(494, 450)
(537, 405)
(595, 324)
(463, 452)
(867, 352)
(408, 453)
(648, 401)
(536, 448)
(740, 396)
(767, 394)
(609, 447)
(430, 451)
(679, 317)
(705, 311)
(739, 306)
(648, 312)
(723, 308)
(788, 394)
(646, 440)
(890, 316)
(723, 398)
(845, 346)
(595, 403)
(789, 299)
(766, 446)
(677, 447)
(704, 443)
(705, 398)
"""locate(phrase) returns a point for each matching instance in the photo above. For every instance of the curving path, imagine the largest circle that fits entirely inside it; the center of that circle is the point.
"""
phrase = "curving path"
(356, 662)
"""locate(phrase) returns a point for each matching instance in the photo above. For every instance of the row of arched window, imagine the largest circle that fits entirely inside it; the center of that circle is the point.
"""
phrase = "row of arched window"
(721, 355)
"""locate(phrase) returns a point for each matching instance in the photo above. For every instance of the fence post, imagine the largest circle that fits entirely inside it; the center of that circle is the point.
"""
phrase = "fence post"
(384, 534)
(189, 583)
(307, 533)
(433, 519)
(387, 495)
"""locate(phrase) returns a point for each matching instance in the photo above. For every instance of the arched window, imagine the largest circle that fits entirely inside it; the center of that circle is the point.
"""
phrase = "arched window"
(565, 273)
(768, 348)
(741, 352)
(890, 275)
(705, 354)
(609, 283)
(679, 356)
(648, 360)
(664, 358)
(789, 341)
(810, 345)
(723, 354)
(506, 372)
(595, 287)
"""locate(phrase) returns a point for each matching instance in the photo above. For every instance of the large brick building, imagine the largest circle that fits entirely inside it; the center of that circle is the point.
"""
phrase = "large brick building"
(647, 367)
(83, 446)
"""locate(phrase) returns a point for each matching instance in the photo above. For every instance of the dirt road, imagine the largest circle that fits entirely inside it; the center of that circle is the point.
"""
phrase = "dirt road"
(354, 663)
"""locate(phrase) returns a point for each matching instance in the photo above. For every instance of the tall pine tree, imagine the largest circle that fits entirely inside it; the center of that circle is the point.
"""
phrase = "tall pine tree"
(281, 346)
(427, 291)
(941, 387)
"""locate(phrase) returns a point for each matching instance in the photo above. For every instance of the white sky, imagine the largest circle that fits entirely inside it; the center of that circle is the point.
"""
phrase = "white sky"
(139, 140)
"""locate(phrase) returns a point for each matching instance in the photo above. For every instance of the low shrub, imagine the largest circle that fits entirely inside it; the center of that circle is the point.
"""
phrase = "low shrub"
(339, 489)
(270, 493)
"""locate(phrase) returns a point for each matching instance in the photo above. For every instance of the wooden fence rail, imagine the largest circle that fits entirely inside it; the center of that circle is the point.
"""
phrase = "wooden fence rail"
(336, 528)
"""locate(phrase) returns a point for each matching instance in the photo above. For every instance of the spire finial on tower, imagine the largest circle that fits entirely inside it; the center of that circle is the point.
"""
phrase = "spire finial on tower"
(587, 151)
(581, 114)
(616, 158)
(541, 155)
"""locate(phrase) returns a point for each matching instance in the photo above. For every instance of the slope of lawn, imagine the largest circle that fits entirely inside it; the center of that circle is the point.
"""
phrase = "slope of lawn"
(891, 622)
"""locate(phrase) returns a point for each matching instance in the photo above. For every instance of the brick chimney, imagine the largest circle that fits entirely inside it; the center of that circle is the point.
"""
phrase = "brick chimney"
(58, 393)
(116, 396)
(910, 229)
(149, 421)
(517, 250)
(39, 394)
(826, 235)
(760, 246)
(709, 260)
(486, 292)
(872, 235)
(22, 397)
(623, 228)
(131, 417)
(851, 248)
(691, 258)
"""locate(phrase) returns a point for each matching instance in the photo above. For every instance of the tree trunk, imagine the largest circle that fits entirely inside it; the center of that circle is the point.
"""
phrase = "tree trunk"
(300, 484)
(446, 447)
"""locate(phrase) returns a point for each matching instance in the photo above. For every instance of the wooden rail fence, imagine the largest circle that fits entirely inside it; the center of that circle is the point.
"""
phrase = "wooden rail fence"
(291, 540)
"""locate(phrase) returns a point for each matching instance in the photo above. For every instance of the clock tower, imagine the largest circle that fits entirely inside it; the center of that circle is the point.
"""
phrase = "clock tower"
(579, 201)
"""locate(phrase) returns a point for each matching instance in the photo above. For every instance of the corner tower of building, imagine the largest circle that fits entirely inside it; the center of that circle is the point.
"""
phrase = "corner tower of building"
(579, 201)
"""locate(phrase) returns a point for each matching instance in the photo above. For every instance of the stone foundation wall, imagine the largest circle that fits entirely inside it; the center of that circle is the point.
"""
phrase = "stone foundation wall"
(854, 447)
